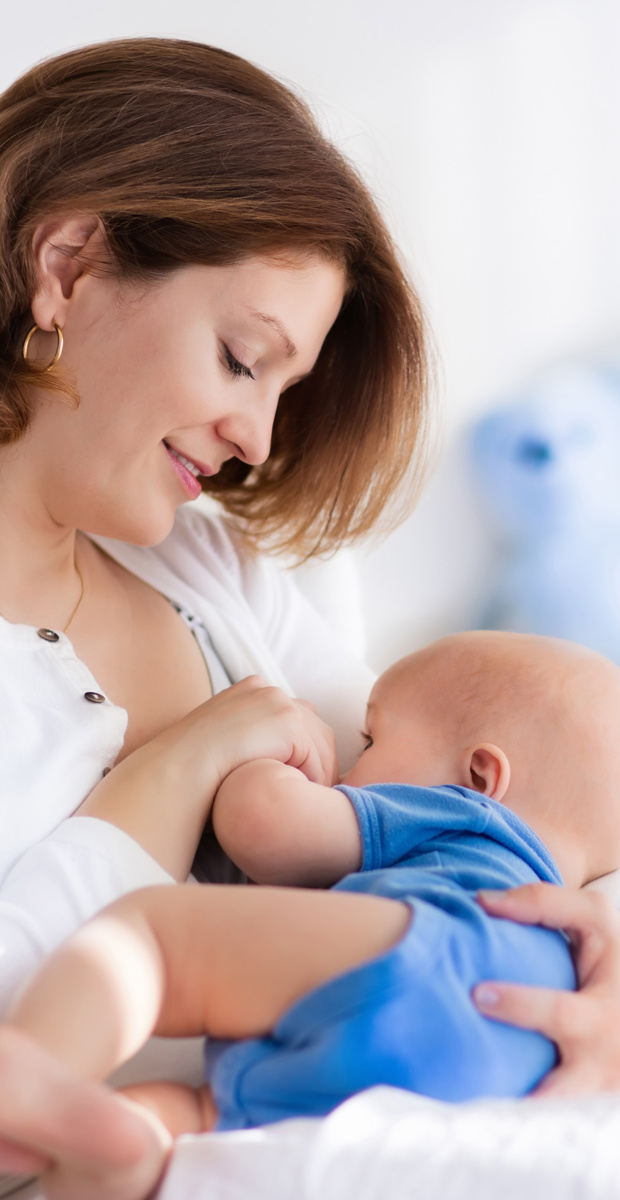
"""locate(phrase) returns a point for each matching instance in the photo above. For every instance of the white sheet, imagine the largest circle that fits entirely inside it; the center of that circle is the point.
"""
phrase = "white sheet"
(389, 1145)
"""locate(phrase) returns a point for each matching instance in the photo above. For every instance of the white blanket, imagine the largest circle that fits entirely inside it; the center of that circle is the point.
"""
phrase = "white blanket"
(389, 1145)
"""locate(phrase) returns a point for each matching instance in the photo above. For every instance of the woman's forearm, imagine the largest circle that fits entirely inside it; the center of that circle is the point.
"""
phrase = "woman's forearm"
(161, 795)
(156, 798)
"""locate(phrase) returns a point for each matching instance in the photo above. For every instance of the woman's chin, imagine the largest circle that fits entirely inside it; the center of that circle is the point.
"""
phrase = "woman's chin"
(146, 528)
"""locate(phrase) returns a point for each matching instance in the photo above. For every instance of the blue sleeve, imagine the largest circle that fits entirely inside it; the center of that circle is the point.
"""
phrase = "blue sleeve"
(395, 819)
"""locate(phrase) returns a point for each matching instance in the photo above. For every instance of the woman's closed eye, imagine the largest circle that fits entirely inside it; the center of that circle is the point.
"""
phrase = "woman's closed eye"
(236, 368)
(367, 738)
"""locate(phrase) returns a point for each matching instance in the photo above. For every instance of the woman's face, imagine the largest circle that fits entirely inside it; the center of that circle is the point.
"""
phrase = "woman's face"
(192, 365)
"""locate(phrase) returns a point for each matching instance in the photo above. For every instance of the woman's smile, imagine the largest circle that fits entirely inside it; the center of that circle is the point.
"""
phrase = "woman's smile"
(187, 470)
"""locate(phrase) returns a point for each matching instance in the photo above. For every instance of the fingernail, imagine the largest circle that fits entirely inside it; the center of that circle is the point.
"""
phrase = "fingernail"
(486, 996)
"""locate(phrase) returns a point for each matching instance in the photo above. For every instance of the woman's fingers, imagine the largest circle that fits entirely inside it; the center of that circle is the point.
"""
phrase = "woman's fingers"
(542, 1009)
(555, 907)
(320, 764)
(268, 723)
(14, 1160)
(585, 1025)
(588, 918)
(257, 720)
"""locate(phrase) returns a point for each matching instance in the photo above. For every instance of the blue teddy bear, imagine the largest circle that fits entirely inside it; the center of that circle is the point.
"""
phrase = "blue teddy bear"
(548, 466)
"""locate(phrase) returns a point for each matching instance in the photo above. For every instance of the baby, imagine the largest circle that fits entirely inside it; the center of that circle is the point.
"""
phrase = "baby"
(492, 760)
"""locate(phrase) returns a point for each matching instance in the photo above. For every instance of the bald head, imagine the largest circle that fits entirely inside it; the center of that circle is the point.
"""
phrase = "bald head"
(551, 708)
(493, 685)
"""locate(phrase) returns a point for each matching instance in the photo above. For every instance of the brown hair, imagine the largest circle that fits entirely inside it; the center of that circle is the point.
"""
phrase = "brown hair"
(189, 154)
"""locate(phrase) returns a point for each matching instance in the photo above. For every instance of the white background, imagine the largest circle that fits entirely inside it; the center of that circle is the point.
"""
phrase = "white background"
(490, 130)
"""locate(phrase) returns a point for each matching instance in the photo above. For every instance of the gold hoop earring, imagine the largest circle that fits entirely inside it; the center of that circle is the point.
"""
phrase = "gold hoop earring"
(59, 347)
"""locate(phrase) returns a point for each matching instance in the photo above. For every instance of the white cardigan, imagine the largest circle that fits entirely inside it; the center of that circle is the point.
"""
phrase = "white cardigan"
(56, 871)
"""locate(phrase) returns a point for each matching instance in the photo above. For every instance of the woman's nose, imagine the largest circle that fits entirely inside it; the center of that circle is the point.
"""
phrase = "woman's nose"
(250, 431)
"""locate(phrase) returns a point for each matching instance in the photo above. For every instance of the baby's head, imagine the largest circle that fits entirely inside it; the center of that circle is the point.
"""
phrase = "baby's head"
(532, 722)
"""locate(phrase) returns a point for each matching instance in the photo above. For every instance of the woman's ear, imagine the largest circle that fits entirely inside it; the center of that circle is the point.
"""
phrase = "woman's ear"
(59, 251)
(486, 769)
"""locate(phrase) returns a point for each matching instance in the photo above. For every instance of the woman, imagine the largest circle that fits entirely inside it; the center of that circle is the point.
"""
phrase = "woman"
(176, 242)
(179, 248)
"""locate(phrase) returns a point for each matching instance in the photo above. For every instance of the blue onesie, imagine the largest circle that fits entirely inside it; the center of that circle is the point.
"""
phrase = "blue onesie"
(407, 1018)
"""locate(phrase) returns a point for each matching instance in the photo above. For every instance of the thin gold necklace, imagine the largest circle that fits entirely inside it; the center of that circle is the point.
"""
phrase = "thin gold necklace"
(81, 597)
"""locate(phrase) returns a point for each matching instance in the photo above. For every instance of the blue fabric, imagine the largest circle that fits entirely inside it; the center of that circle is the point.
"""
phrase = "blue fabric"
(407, 1019)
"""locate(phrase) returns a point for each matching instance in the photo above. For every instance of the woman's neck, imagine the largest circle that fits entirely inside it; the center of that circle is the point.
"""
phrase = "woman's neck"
(38, 577)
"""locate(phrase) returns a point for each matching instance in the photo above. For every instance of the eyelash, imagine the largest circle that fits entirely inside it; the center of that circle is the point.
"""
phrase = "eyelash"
(237, 369)
(367, 738)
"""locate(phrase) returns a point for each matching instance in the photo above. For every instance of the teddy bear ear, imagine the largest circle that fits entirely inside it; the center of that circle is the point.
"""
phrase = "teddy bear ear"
(546, 465)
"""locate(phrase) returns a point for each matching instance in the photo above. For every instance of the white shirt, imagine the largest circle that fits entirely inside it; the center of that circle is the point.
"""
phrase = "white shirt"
(57, 871)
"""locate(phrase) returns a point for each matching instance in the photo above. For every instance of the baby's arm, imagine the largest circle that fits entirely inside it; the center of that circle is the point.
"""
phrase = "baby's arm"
(282, 829)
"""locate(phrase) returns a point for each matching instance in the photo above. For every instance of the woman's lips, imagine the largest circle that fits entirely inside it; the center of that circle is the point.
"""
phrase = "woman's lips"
(188, 480)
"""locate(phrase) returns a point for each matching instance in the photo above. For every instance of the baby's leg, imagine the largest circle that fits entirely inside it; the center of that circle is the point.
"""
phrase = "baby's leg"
(180, 1108)
(186, 960)
(235, 959)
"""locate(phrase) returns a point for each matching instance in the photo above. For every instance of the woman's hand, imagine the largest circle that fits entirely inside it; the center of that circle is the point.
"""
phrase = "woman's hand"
(585, 1025)
(161, 795)
(86, 1142)
(252, 715)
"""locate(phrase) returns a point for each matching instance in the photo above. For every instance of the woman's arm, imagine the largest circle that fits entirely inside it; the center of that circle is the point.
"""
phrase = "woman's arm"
(140, 825)
(282, 829)
(585, 1025)
(161, 795)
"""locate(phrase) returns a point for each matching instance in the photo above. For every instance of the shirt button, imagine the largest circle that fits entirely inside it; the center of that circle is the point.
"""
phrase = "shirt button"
(48, 635)
(94, 697)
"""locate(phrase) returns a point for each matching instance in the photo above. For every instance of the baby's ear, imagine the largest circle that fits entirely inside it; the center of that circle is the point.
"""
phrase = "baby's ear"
(485, 769)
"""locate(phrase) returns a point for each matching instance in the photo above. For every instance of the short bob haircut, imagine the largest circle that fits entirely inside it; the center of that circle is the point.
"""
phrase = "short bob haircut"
(191, 155)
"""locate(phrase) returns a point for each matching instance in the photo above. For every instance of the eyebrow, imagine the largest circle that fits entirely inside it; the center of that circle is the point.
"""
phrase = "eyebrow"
(291, 349)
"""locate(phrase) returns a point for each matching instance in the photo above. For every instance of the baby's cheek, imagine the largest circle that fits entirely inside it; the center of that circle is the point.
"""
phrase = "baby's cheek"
(364, 771)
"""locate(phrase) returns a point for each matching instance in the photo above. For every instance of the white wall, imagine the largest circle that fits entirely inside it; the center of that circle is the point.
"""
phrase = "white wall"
(490, 130)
